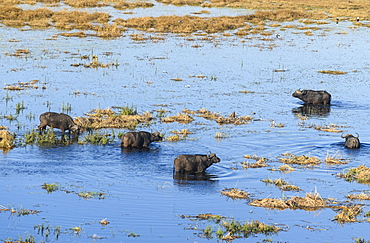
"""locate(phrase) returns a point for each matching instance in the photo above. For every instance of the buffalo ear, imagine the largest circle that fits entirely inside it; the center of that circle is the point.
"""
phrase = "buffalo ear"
(304, 92)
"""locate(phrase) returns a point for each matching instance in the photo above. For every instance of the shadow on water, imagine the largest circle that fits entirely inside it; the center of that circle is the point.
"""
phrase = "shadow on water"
(312, 110)
(203, 183)
(184, 178)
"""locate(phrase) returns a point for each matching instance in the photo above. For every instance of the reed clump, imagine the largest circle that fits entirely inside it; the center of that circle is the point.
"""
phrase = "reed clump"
(235, 193)
(234, 120)
(299, 160)
(282, 185)
(361, 196)
(260, 162)
(335, 159)
(6, 139)
(181, 118)
(348, 214)
(311, 202)
(360, 174)
(109, 31)
(107, 118)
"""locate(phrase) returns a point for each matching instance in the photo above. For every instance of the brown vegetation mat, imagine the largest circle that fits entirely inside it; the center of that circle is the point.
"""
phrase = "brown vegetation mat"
(329, 128)
(311, 202)
(348, 214)
(107, 118)
(181, 118)
(260, 162)
(282, 185)
(203, 113)
(299, 160)
(235, 193)
(361, 196)
(335, 159)
(234, 120)
(361, 174)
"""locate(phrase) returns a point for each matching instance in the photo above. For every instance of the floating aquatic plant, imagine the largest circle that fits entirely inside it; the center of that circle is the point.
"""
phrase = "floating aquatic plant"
(50, 187)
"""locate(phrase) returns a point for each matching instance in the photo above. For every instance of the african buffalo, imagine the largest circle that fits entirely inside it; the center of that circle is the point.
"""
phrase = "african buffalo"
(313, 97)
(58, 120)
(351, 142)
(140, 139)
(195, 163)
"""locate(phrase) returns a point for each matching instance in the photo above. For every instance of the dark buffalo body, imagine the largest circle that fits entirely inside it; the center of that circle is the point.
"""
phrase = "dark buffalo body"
(351, 142)
(313, 97)
(58, 120)
(195, 163)
(140, 139)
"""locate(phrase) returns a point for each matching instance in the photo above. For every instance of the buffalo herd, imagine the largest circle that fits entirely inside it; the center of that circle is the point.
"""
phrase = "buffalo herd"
(184, 163)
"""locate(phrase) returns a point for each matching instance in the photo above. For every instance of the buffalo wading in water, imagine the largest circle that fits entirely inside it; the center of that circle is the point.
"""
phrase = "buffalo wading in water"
(194, 163)
(351, 142)
(140, 139)
(58, 120)
(312, 97)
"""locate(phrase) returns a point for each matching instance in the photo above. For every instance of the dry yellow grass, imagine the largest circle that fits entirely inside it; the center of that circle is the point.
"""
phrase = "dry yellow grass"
(361, 174)
(361, 196)
(299, 160)
(260, 162)
(335, 159)
(6, 139)
(311, 202)
(181, 118)
(348, 214)
(107, 118)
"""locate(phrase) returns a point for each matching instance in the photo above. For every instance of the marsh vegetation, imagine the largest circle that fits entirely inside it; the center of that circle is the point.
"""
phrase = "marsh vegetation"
(213, 76)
